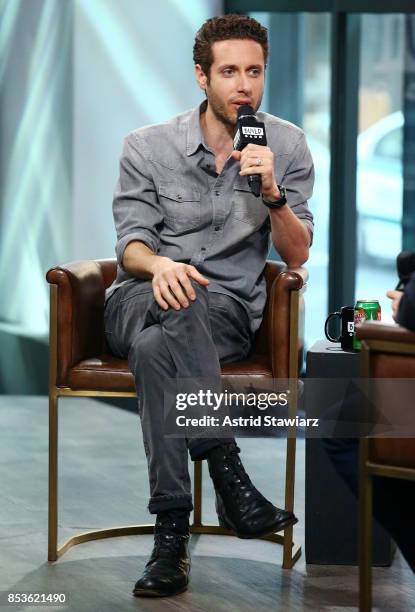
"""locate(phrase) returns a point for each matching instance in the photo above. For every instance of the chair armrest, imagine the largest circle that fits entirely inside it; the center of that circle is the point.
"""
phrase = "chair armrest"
(389, 332)
(282, 330)
(287, 322)
(299, 277)
(77, 308)
(388, 350)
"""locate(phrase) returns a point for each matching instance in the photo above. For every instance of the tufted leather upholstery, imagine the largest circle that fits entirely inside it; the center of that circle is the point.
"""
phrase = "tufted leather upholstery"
(84, 362)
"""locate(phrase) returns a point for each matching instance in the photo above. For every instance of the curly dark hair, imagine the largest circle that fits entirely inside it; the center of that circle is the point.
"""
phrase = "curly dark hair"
(224, 28)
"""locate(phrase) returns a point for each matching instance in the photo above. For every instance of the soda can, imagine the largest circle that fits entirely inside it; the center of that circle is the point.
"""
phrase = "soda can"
(365, 310)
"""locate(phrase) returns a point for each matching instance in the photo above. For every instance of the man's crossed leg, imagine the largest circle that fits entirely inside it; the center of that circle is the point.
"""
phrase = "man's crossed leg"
(189, 343)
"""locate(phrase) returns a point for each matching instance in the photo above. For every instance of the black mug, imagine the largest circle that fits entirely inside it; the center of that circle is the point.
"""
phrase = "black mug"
(346, 315)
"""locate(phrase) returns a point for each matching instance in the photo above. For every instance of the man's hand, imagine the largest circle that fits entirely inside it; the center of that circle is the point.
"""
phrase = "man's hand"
(395, 296)
(171, 282)
(249, 157)
(170, 279)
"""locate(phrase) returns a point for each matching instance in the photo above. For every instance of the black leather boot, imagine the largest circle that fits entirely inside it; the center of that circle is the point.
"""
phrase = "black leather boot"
(240, 506)
(167, 571)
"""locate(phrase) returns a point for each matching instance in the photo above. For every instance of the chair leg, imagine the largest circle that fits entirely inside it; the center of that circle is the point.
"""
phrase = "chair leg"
(288, 559)
(197, 495)
(365, 542)
(53, 477)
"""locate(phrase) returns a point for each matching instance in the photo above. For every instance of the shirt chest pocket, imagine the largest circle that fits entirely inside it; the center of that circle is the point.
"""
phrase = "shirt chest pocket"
(181, 206)
(247, 208)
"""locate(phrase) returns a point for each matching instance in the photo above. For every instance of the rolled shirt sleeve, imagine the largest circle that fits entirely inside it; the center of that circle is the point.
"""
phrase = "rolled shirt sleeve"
(299, 181)
(136, 209)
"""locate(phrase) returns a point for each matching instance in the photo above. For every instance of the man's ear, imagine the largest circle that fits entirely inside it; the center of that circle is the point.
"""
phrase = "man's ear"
(201, 77)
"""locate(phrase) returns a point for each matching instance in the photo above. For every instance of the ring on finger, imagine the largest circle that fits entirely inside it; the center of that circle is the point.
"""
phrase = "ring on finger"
(259, 162)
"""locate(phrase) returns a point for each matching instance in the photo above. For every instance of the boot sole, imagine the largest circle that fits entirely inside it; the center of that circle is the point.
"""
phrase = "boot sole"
(151, 593)
(260, 534)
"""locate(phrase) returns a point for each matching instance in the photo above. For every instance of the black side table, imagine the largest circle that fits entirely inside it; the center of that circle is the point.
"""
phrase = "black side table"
(331, 511)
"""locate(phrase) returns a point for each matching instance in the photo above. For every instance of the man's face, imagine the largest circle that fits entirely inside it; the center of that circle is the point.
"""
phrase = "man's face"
(236, 77)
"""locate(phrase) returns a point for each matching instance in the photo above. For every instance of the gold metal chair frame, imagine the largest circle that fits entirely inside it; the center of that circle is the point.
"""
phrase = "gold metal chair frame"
(368, 469)
(291, 551)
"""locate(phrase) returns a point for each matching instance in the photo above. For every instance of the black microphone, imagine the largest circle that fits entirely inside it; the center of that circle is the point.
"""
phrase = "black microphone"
(249, 129)
(405, 266)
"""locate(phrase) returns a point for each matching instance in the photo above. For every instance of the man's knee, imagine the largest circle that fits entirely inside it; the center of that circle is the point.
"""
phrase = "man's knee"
(197, 308)
(201, 293)
(199, 289)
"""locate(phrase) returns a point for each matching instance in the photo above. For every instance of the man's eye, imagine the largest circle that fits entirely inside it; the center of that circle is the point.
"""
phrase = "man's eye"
(228, 72)
(255, 72)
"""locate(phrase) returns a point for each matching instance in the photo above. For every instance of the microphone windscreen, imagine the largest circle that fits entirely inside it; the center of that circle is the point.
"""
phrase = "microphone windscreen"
(405, 264)
(245, 109)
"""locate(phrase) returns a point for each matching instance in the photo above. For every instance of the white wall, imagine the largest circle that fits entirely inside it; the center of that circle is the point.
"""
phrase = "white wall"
(132, 66)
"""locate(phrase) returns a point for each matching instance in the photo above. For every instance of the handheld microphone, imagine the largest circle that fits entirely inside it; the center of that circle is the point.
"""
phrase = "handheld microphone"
(405, 265)
(249, 129)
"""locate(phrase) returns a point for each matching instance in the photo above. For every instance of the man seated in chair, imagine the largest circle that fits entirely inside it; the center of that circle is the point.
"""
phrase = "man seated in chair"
(192, 243)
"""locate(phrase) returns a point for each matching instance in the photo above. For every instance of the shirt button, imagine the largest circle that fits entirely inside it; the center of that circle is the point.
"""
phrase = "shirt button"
(179, 197)
(203, 249)
(217, 192)
(217, 228)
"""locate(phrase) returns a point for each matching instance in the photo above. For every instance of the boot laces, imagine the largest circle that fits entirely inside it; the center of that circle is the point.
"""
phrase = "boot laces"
(166, 544)
(235, 464)
(242, 482)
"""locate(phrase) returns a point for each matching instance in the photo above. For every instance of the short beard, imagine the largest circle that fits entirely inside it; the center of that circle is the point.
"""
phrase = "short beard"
(219, 110)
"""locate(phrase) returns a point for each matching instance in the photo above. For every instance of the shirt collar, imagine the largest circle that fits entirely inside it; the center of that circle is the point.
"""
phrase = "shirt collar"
(194, 131)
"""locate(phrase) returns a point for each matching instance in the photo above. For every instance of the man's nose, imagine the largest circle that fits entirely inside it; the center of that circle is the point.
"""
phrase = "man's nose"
(244, 84)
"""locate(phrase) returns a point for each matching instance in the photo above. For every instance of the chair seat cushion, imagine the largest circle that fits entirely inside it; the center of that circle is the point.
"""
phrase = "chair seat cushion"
(109, 373)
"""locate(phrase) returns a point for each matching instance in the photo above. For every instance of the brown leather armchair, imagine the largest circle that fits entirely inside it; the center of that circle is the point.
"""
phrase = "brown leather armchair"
(81, 365)
(388, 351)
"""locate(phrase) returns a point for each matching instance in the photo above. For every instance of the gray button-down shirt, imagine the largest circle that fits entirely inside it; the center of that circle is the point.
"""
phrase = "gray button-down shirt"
(170, 197)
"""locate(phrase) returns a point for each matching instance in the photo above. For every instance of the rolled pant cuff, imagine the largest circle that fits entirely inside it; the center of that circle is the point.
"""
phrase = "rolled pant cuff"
(170, 502)
(199, 450)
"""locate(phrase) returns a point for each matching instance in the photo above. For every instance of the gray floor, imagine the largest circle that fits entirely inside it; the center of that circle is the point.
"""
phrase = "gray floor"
(103, 483)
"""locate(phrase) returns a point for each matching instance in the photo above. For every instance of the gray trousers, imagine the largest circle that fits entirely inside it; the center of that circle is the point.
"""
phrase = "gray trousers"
(163, 345)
